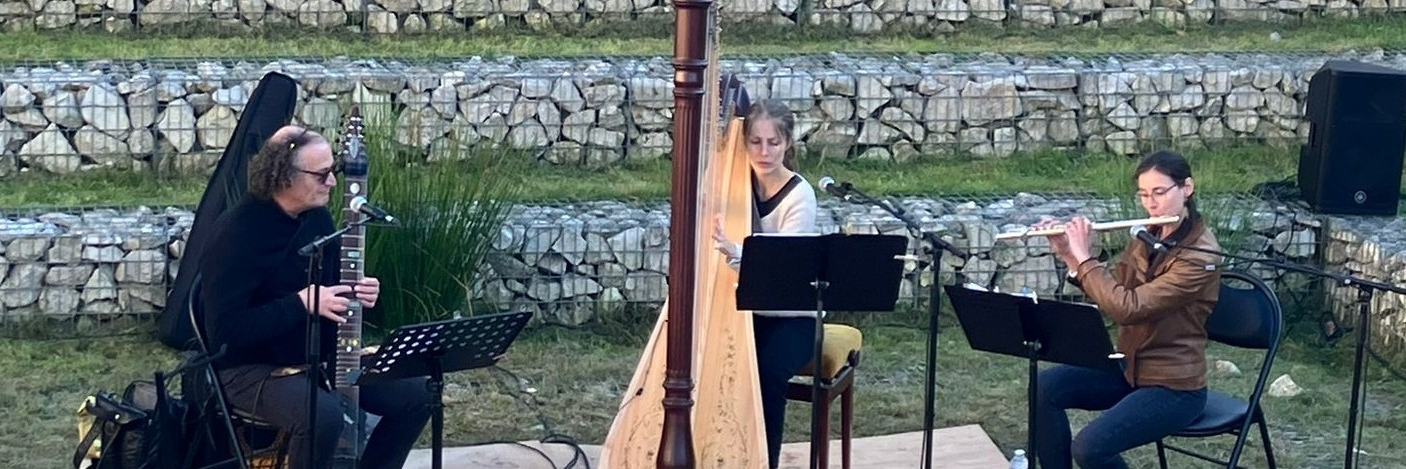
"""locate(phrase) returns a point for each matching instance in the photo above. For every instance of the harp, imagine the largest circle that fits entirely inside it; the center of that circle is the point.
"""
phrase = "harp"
(724, 428)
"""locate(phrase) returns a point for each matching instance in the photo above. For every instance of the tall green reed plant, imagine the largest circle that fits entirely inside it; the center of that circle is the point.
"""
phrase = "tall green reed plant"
(450, 215)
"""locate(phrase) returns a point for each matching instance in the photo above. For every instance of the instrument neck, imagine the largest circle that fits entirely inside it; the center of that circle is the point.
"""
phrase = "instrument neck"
(352, 270)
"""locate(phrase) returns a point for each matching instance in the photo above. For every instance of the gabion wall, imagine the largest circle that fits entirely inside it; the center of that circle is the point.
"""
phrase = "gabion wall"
(569, 262)
(173, 114)
(859, 16)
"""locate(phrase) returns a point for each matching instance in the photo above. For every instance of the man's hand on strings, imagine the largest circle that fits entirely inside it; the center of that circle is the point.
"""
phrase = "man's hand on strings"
(330, 303)
(368, 290)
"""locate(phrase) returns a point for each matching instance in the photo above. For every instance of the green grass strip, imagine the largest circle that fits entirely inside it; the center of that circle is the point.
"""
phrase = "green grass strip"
(1236, 169)
(655, 38)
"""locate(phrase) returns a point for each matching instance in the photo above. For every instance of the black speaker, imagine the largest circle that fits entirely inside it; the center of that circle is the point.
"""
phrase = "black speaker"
(1356, 141)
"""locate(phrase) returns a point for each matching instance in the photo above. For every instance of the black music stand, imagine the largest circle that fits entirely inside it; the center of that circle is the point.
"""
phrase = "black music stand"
(1045, 329)
(810, 272)
(434, 348)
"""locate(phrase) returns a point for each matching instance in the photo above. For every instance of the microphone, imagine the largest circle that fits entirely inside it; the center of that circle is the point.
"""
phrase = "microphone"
(840, 190)
(1140, 232)
(360, 204)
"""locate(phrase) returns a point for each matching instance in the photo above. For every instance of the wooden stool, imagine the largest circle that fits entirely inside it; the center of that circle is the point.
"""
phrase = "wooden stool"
(838, 360)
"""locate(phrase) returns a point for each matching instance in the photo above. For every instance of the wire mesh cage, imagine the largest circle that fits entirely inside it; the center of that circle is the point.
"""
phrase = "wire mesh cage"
(88, 266)
(573, 262)
(177, 115)
(385, 17)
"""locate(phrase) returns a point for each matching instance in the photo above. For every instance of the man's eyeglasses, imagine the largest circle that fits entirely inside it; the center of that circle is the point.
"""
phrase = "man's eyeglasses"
(322, 175)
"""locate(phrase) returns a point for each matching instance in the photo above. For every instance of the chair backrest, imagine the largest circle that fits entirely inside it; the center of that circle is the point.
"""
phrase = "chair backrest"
(1248, 314)
(195, 314)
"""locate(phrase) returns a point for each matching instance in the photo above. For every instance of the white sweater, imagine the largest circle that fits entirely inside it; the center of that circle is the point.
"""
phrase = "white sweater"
(794, 213)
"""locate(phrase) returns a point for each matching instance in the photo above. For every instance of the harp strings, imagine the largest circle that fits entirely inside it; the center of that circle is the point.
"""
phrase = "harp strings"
(709, 203)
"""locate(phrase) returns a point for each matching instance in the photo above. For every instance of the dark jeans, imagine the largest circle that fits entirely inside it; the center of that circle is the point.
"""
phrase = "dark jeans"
(784, 346)
(1133, 416)
(282, 401)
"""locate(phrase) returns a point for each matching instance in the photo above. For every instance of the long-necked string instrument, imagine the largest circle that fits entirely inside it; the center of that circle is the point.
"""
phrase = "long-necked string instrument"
(655, 425)
(1102, 226)
(352, 269)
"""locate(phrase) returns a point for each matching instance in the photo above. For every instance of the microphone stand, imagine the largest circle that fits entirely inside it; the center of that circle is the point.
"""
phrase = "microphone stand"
(934, 305)
(313, 251)
(1365, 290)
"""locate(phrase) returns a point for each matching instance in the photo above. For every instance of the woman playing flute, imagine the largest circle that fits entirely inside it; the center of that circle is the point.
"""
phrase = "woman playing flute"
(1160, 301)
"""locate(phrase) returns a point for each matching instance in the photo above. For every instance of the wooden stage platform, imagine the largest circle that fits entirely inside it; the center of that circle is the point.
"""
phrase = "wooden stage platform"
(956, 448)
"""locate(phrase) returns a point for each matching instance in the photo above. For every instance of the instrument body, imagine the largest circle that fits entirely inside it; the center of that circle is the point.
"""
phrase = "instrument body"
(727, 429)
(1103, 226)
(355, 166)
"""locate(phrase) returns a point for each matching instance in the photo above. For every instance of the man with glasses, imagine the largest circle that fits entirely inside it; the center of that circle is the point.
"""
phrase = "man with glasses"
(255, 298)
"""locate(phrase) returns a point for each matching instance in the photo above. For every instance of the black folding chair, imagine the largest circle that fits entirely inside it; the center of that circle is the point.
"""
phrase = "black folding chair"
(245, 429)
(1247, 317)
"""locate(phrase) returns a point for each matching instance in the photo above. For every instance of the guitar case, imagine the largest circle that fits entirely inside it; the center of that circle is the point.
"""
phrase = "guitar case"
(270, 107)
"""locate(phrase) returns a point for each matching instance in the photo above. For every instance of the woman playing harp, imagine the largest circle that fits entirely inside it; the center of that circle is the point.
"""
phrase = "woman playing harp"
(727, 426)
(784, 203)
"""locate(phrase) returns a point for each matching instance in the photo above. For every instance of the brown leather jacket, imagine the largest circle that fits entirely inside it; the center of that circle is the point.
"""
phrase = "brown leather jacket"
(1161, 317)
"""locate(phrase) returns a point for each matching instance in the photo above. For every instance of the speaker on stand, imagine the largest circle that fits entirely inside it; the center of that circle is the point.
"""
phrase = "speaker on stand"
(1357, 139)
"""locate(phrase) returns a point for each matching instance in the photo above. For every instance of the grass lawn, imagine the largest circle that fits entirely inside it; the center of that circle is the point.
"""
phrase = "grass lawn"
(47, 379)
(1218, 170)
(655, 37)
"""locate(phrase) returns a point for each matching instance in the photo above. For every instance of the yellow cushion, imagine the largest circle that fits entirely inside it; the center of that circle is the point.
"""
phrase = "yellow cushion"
(840, 340)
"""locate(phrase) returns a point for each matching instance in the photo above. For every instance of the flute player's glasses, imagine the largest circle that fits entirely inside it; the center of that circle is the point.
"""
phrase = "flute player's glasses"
(1156, 193)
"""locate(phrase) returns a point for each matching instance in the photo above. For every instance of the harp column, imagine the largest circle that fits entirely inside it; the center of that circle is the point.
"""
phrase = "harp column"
(690, 67)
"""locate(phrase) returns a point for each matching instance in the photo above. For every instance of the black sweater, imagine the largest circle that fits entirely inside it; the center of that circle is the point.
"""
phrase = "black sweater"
(252, 274)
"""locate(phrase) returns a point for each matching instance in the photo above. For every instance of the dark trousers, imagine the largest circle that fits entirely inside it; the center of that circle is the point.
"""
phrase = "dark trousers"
(282, 401)
(1132, 417)
(784, 346)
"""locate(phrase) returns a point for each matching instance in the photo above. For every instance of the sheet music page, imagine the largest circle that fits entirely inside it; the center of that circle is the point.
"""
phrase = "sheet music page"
(1024, 292)
(1028, 293)
(785, 234)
